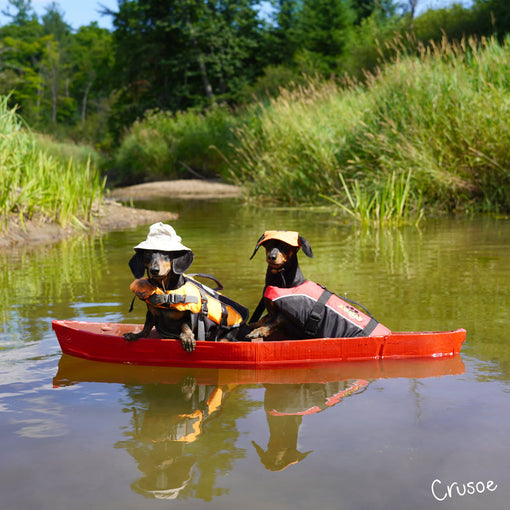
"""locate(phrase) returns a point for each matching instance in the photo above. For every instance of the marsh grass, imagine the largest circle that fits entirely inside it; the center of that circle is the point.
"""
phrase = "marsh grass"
(388, 205)
(33, 183)
(433, 124)
(436, 126)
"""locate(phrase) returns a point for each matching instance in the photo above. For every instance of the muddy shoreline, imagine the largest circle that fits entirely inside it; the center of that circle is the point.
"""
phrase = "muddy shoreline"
(112, 215)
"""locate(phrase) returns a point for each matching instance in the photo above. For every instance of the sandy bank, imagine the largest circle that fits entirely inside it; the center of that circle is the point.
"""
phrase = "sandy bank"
(112, 215)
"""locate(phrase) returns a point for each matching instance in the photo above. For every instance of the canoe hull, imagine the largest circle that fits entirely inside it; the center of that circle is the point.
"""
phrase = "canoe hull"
(104, 342)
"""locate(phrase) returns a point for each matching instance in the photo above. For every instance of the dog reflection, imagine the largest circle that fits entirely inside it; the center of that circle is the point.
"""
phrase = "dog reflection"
(285, 406)
(167, 421)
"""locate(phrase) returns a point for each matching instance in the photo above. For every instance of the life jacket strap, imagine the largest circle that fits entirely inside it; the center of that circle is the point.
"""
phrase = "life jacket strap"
(204, 309)
(315, 318)
(258, 311)
(367, 330)
(173, 299)
(200, 327)
(224, 315)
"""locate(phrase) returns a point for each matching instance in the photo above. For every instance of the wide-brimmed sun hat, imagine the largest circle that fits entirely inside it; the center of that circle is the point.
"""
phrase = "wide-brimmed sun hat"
(162, 237)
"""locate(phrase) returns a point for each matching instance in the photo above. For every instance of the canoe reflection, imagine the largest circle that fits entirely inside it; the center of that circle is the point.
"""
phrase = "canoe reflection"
(285, 406)
(183, 430)
(72, 370)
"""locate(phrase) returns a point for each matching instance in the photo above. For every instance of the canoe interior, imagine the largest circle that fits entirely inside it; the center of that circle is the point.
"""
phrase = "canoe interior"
(104, 342)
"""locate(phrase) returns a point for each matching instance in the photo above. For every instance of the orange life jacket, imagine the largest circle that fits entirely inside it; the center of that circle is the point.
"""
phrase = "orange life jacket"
(200, 300)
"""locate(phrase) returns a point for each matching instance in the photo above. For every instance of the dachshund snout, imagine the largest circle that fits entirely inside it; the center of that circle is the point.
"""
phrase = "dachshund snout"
(276, 256)
(158, 265)
(272, 255)
(154, 271)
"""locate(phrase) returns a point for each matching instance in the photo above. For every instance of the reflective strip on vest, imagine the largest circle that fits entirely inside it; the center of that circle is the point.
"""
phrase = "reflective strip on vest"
(339, 318)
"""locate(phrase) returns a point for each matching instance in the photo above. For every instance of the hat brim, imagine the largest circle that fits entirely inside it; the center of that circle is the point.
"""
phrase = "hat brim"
(161, 245)
(287, 236)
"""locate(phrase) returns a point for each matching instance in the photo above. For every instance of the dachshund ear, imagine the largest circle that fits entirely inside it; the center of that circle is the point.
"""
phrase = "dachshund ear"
(182, 263)
(257, 246)
(137, 266)
(305, 245)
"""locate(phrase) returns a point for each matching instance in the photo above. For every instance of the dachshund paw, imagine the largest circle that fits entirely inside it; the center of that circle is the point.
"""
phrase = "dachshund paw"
(258, 334)
(131, 337)
(142, 288)
(188, 341)
(188, 386)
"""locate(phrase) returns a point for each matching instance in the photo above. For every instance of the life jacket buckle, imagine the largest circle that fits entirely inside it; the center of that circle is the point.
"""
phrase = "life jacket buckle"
(174, 299)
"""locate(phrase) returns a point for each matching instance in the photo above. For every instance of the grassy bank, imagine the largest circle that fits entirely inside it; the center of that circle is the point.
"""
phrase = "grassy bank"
(174, 146)
(34, 183)
(442, 119)
(438, 122)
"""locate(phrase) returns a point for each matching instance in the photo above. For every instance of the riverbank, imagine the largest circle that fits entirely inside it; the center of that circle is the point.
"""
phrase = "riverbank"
(112, 215)
(180, 188)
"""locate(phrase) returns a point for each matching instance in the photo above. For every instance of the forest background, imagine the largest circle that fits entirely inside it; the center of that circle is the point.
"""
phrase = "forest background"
(357, 103)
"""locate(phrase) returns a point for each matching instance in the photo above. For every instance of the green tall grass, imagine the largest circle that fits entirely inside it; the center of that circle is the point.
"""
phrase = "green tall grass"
(389, 206)
(33, 183)
(440, 119)
(163, 145)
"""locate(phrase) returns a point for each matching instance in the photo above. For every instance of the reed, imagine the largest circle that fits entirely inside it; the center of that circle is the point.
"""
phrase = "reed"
(391, 204)
(434, 121)
(33, 183)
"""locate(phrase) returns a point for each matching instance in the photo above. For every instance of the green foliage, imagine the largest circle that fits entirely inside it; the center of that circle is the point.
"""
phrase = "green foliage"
(183, 53)
(324, 27)
(441, 118)
(33, 183)
(290, 155)
(180, 54)
(372, 42)
(270, 84)
(57, 78)
(169, 146)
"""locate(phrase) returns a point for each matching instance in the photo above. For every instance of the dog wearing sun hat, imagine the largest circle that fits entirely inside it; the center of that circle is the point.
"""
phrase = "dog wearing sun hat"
(177, 305)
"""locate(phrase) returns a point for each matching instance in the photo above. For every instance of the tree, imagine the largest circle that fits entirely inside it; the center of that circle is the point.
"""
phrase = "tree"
(181, 53)
(54, 24)
(23, 14)
(56, 65)
(365, 8)
(324, 27)
(493, 16)
(91, 68)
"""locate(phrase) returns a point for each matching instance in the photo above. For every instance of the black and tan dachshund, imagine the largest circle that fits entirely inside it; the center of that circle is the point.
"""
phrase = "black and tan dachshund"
(299, 308)
(282, 271)
(165, 272)
(177, 305)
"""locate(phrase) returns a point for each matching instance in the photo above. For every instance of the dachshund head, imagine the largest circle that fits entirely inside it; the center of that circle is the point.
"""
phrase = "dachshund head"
(160, 264)
(281, 246)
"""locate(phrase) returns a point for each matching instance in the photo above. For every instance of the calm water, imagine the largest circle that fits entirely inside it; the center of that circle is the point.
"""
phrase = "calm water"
(82, 435)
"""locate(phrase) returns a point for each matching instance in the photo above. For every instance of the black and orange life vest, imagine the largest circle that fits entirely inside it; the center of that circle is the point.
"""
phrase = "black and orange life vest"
(207, 306)
(321, 314)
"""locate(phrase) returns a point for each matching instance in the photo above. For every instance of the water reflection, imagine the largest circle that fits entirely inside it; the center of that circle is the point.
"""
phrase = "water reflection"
(184, 431)
(286, 405)
(448, 274)
(165, 439)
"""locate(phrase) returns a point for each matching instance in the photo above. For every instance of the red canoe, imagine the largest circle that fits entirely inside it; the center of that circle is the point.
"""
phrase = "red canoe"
(102, 341)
